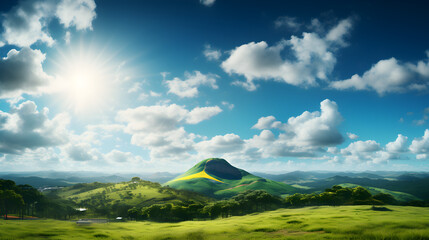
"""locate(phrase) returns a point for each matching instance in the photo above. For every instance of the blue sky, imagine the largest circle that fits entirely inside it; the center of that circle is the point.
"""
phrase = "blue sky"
(268, 85)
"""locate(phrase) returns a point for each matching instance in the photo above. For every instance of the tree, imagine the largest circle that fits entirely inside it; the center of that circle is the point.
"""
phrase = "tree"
(10, 200)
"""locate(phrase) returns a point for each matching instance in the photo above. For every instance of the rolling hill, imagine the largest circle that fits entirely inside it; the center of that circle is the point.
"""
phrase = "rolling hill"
(217, 178)
(103, 199)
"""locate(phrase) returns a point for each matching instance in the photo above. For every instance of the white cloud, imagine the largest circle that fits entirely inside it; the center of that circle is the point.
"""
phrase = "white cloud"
(389, 76)
(27, 128)
(399, 145)
(200, 114)
(287, 22)
(78, 13)
(352, 136)
(338, 33)
(189, 86)
(361, 151)
(420, 146)
(316, 128)
(267, 123)
(22, 72)
(312, 59)
(211, 54)
(207, 3)
(220, 145)
(28, 22)
(301, 136)
(158, 128)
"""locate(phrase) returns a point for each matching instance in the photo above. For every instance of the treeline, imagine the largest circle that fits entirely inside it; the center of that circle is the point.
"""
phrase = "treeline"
(259, 201)
(25, 200)
(338, 195)
(243, 203)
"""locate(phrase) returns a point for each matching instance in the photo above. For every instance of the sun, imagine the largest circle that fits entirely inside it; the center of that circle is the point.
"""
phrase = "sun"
(85, 80)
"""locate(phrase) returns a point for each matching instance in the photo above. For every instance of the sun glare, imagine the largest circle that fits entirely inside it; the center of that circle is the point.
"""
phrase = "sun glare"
(86, 81)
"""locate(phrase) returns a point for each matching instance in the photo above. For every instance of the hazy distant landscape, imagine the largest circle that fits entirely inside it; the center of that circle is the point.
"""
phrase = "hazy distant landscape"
(214, 119)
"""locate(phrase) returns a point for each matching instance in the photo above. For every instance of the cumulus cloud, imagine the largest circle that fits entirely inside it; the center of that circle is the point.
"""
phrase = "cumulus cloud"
(207, 3)
(22, 72)
(77, 13)
(420, 146)
(399, 145)
(189, 86)
(159, 128)
(389, 76)
(27, 23)
(24, 127)
(219, 145)
(312, 58)
(211, 54)
(371, 151)
(301, 136)
(316, 128)
(267, 123)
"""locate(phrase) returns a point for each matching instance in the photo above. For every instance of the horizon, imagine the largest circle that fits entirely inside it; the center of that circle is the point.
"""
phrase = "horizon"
(158, 86)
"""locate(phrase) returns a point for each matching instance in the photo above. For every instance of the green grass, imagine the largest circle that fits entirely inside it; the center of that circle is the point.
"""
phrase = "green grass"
(345, 222)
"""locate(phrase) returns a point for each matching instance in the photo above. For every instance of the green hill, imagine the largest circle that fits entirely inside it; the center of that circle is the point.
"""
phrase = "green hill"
(103, 199)
(217, 178)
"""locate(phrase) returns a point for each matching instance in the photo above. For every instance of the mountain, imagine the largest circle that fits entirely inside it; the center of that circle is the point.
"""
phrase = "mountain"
(217, 178)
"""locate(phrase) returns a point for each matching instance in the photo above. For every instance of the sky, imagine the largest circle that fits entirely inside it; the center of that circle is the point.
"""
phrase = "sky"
(159, 85)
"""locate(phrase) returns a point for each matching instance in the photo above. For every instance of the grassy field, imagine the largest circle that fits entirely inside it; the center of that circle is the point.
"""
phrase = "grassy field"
(345, 222)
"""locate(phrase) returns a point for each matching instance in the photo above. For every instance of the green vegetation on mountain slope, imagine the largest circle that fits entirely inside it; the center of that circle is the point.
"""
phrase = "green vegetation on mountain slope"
(303, 223)
(217, 178)
(106, 199)
(399, 196)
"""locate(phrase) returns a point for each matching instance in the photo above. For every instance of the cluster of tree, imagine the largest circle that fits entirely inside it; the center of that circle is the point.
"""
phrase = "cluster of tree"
(25, 200)
(338, 195)
(244, 203)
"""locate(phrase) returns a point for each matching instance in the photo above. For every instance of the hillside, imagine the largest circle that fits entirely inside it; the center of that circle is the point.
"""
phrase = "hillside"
(400, 196)
(217, 178)
(109, 198)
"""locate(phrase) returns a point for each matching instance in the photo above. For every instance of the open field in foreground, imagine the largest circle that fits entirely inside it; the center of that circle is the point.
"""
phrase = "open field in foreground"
(345, 222)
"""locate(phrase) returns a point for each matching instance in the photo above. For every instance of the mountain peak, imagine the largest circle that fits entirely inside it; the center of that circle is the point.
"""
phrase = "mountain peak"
(223, 169)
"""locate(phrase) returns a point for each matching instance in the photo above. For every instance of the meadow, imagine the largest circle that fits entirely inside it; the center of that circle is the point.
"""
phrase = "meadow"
(343, 222)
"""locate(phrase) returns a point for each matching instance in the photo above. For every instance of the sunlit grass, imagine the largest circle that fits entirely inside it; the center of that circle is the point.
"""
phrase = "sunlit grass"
(345, 222)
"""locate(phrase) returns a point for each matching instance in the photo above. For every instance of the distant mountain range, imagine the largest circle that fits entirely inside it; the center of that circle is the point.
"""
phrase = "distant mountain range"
(217, 178)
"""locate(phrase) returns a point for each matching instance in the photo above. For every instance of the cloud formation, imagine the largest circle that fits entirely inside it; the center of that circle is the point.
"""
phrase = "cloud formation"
(159, 128)
(420, 146)
(211, 54)
(389, 76)
(188, 88)
(27, 23)
(24, 127)
(312, 58)
(22, 72)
